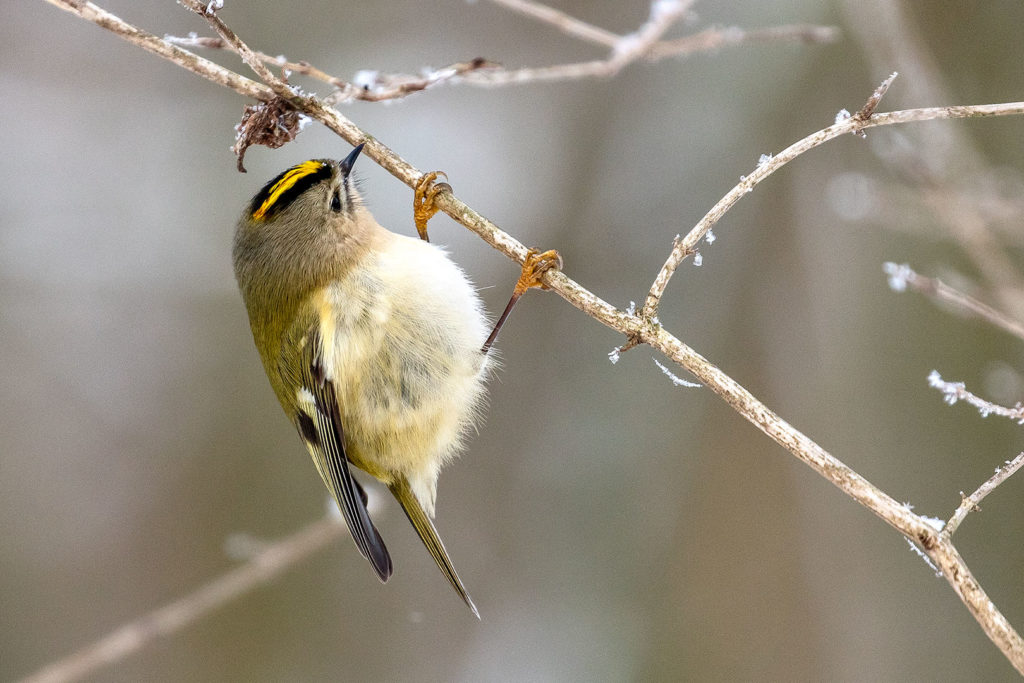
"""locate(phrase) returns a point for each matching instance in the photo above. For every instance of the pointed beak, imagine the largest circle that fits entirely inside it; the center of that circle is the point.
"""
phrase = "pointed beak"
(347, 163)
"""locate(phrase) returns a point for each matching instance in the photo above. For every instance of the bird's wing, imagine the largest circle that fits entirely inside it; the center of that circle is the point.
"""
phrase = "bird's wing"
(319, 422)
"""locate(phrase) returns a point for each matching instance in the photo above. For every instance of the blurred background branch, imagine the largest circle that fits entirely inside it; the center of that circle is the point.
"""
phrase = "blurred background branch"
(264, 566)
(944, 555)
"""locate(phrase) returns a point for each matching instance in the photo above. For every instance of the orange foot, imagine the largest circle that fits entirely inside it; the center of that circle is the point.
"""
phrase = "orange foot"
(423, 208)
(534, 267)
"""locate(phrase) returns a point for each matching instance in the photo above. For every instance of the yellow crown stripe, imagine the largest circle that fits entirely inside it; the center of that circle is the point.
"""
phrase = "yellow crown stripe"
(286, 182)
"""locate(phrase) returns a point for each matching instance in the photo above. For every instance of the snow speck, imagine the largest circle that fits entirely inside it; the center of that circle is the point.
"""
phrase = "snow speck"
(365, 78)
(924, 557)
(662, 8)
(899, 274)
(698, 259)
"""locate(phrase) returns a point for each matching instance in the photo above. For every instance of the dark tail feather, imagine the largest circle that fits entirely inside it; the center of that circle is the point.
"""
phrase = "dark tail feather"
(428, 534)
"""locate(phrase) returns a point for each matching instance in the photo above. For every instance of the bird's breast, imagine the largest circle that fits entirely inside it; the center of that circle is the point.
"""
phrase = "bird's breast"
(402, 337)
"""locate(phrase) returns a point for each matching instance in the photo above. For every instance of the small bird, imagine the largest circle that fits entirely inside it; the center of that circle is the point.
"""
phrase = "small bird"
(373, 343)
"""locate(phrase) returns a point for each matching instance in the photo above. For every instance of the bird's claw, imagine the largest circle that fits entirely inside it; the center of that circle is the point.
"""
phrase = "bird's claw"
(423, 208)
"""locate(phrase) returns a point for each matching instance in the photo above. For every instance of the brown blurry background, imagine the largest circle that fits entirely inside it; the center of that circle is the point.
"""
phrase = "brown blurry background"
(609, 525)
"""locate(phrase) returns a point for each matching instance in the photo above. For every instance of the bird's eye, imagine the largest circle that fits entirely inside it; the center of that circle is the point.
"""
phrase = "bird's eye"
(336, 202)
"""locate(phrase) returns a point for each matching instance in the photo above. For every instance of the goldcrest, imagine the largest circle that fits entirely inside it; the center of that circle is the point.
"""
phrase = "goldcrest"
(372, 341)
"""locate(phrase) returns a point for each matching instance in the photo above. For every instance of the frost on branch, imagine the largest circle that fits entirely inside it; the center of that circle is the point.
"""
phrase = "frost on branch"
(678, 381)
(899, 274)
(952, 392)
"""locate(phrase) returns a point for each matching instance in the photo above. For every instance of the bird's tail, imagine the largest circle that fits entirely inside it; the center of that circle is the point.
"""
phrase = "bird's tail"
(428, 534)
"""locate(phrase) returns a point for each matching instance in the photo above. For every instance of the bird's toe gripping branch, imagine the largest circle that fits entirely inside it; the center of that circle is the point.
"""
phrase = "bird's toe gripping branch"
(423, 208)
(534, 266)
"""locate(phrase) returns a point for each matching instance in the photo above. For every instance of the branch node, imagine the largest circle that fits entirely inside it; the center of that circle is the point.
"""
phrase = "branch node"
(864, 115)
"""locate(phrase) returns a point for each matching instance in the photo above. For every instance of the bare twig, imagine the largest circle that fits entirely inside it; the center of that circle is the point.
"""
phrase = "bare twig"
(480, 72)
(769, 164)
(876, 97)
(970, 503)
(265, 566)
(902, 276)
(954, 392)
(158, 46)
(716, 38)
(705, 41)
(565, 23)
(625, 50)
(376, 88)
(644, 328)
(889, 34)
(379, 87)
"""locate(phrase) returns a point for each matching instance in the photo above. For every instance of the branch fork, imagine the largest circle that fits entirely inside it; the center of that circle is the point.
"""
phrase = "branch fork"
(643, 326)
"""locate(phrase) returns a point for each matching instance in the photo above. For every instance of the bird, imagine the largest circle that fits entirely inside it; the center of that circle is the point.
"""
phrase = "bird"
(375, 343)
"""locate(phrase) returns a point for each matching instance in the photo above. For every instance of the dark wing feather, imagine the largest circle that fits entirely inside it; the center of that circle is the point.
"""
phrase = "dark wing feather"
(322, 430)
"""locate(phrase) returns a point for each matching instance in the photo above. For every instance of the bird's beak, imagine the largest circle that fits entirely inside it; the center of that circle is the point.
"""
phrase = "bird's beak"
(347, 163)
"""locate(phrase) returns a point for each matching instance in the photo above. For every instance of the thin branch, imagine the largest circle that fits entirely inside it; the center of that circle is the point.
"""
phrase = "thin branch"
(644, 328)
(379, 87)
(954, 392)
(272, 561)
(716, 38)
(705, 41)
(935, 166)
(902, 276)
(158, 46)
(970, 503)
(869, 107)
(624, 51)
(768, 165)
(569, 25)
(375, 87)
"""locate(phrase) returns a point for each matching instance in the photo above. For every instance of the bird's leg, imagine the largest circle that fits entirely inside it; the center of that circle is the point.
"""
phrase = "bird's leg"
(423, 207)
(534, 267)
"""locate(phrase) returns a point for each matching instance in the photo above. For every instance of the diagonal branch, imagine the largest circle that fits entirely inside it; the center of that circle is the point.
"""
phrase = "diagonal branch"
(265, 566)
(644, 328)
(953, 392)
(716, 38)
(970, 503)
(902, 276)
(567, 24)
(849, 124)
(183, 58)
(624, 51)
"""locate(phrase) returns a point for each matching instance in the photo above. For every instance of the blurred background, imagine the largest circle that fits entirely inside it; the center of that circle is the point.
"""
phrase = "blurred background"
(610, 526)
